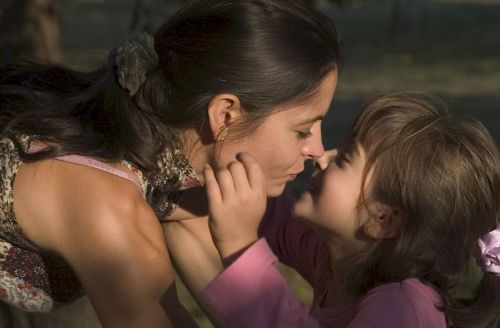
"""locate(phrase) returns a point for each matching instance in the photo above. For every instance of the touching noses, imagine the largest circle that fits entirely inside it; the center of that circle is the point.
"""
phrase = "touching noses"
(323, 161)
(313, 148)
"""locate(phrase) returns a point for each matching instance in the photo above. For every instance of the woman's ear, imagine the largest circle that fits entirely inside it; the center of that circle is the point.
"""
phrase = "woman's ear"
(223, 110)
(385, 222)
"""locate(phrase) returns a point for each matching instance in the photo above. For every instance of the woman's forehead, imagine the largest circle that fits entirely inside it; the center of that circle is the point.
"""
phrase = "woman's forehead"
(316, 106)
(307, 112)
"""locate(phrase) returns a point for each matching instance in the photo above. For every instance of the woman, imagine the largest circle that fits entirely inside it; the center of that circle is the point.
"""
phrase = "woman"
(92, 164)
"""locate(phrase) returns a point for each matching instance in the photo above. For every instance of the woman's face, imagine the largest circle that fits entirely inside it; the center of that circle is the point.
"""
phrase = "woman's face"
(286, 138)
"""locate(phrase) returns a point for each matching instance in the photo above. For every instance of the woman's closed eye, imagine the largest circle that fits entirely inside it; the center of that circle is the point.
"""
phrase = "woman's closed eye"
(304, 134)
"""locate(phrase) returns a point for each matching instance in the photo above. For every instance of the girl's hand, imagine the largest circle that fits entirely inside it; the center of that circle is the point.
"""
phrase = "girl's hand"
(237, 202)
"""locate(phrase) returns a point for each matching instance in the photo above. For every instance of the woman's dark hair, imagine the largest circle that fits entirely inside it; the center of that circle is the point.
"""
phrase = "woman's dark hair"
(441, 173)
(269, 53)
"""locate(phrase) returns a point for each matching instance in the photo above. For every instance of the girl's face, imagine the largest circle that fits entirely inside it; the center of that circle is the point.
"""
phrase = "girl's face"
(331, 204)
(286, 139)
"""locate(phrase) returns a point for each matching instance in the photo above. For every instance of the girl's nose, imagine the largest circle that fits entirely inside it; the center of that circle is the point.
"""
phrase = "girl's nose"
(323, 161)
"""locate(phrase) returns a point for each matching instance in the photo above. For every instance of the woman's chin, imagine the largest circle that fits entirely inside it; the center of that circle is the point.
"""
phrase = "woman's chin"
(275, 190)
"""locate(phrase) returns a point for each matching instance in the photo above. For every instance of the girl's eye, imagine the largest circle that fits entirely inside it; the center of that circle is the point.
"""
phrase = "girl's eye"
(304, 134)
(341, 158)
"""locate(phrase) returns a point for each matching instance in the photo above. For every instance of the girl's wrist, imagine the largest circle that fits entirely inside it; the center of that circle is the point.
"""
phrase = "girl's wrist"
(229, 252)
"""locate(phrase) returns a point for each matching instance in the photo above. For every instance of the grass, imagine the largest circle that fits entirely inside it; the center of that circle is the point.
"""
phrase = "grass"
(456, 56)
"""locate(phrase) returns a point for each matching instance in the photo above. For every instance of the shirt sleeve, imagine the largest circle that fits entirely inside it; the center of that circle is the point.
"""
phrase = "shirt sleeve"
(397, 305)
(251, 292)
(384, 310)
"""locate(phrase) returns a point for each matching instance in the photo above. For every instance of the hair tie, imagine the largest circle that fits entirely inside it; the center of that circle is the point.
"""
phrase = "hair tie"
(132, 60)
(489, 251)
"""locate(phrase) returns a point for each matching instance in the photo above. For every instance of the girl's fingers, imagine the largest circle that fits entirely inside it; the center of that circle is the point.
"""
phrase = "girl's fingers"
(212, 186)
(254, 172)
(239, 175)
(226, 184)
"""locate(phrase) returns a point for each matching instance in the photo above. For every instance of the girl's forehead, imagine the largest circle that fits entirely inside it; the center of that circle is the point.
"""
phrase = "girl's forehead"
(351, 146)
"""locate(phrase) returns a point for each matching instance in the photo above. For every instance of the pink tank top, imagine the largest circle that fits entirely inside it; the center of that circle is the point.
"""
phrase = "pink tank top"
(86, 161)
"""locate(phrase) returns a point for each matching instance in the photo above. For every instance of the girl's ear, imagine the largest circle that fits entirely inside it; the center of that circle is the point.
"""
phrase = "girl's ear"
(223, 110)
(385, 222)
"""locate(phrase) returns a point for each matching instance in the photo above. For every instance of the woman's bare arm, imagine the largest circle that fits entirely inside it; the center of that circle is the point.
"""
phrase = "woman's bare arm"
(103, 228)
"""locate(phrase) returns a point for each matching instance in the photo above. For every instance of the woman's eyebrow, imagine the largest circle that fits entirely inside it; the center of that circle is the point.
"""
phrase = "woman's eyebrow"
(312, 120)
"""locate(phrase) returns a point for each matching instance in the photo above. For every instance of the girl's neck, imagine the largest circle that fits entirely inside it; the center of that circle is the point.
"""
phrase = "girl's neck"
(340, 262)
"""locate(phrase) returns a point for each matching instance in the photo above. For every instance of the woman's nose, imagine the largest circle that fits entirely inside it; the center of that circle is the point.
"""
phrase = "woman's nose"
(314, 148)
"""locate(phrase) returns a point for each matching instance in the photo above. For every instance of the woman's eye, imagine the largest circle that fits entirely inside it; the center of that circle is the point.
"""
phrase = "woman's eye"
(304, 134)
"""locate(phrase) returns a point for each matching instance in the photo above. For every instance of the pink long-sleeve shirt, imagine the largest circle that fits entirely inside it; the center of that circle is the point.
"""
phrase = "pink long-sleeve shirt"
(251, 292)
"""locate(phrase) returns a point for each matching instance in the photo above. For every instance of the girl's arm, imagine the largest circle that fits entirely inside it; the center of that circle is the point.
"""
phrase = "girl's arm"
(294, 243)
(250, 292)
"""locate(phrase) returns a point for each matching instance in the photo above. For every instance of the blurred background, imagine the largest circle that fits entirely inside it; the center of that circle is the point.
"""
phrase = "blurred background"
(450, 48)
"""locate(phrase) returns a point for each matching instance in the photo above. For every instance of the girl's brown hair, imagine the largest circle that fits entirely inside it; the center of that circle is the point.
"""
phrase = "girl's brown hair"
(441, 174)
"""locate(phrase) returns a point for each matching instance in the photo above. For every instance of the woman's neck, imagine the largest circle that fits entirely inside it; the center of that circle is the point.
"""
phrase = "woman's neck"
(195, 151)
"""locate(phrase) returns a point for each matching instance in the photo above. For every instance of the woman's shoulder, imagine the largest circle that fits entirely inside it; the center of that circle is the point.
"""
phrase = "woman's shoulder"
(409, 303)
(59, 195)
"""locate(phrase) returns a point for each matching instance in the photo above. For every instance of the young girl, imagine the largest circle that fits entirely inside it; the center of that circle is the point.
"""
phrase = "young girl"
(397, 225)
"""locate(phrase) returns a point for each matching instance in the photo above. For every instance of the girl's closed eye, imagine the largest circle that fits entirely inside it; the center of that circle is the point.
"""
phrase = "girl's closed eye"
(341, 158)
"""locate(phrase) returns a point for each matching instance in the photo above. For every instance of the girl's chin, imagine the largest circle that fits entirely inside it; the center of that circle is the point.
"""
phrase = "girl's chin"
(303, 206)
(306, 196)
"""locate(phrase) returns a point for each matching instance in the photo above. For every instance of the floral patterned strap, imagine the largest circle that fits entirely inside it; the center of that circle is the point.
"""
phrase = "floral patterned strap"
(17, 292)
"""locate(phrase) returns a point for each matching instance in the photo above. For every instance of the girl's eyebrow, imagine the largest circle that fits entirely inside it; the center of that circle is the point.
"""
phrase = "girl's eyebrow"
(349, 146)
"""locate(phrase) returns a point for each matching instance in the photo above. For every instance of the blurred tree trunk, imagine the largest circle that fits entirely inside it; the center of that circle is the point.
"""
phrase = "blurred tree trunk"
(29, 29)
(409, 16)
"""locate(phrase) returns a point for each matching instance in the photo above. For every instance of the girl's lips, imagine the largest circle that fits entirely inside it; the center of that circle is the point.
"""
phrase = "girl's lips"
(316, 182)
(312, 191)
(314, 188)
